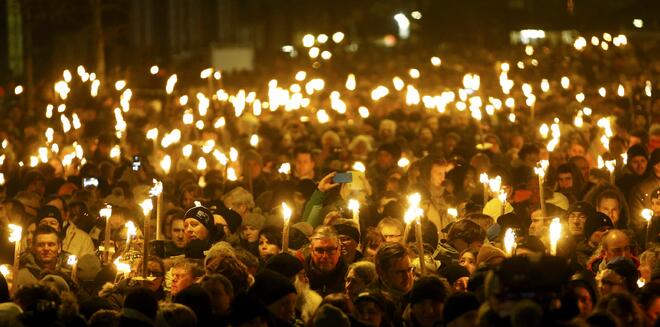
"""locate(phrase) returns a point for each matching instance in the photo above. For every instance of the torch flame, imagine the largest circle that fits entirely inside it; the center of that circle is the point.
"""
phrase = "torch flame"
(286, 212)
(15, 233)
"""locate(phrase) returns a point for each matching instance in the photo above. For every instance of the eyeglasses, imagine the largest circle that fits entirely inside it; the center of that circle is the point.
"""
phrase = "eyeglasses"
(328, 250)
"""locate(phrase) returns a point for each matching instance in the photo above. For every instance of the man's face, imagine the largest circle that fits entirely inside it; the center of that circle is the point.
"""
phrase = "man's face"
(611, 208)
(399, 275)
(537, 227)
(50, 222)
(325, 254)
(576, 222)
(219, 222)
(304, 164)
(438, 174)
(638, 165)
(195, 230)
(656, 170)
(178, 233)
(181, 278)
(353, 284)
(617, 247)
(565, 181)
(46, 247)
(348, 245)
(391, 233)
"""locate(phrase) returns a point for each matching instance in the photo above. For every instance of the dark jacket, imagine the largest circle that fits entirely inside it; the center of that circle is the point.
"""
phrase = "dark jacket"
(326, 283)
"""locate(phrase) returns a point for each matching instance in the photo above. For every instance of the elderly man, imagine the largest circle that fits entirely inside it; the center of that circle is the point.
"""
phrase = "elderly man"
(615, 243)
(324, 266)
(46, 257)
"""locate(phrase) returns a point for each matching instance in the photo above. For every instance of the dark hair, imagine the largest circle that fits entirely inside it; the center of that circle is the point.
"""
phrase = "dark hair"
(467, 231)
(272, 234)
(387, 253)
(39, 302)
(44, 230)
(208, 280)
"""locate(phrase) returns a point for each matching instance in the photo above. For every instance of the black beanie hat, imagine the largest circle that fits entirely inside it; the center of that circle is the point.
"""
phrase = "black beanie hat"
(232, 218)
(49, 212)
(637, 150)
(459, 304)
(270, 286)
(204, 216)
(285, 264)
(348, 228)
(583, 207)
(428, 288)
(453, 272)
(596, 222)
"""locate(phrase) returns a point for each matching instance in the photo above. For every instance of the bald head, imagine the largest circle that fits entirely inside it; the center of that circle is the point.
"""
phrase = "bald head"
(616, 243)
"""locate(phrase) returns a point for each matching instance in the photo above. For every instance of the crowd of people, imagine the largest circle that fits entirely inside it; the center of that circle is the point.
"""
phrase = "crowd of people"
(221, 251)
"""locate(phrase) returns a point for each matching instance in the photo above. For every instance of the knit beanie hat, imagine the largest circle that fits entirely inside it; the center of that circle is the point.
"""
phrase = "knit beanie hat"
(204, 216)
(348, 228)
(88, 267)
(304, 228)
(583, 207)
(487, 253)
(270, 286)
(637, 150)
(232, 218)
(255, 219)
(596, 222)
(49, 212)
(285, 264)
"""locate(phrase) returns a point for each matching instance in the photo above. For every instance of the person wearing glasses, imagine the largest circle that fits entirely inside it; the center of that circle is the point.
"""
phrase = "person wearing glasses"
(395, 277)
(324, 266)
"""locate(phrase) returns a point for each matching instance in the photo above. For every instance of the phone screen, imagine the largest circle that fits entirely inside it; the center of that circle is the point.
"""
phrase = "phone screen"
(136, 163)
(342, 178)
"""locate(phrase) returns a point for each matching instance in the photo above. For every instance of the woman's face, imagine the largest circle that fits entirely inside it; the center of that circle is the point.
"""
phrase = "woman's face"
(266, 248)
(428, 312)
(250, 233)
(468, 261)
